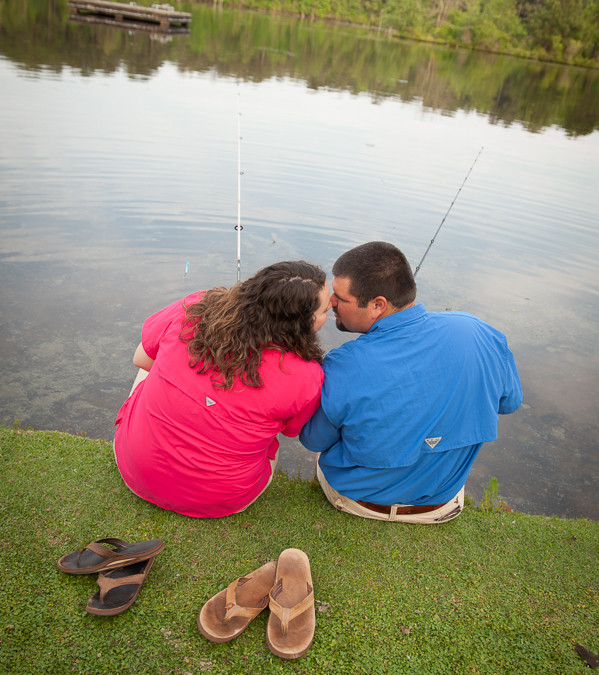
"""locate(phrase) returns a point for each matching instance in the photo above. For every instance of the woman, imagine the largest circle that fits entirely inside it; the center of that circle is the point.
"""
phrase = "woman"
(227, 371)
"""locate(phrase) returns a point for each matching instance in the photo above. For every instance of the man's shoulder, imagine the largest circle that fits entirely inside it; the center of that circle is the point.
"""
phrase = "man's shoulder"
(339, 358)
(343, 351)
(453, 315)
(466, 334)
(464, 319)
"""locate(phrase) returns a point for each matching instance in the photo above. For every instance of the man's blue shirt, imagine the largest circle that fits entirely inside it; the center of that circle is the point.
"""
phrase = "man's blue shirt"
(406, 407)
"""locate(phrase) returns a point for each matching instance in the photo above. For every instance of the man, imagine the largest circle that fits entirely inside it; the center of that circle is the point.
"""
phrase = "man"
(405, 407)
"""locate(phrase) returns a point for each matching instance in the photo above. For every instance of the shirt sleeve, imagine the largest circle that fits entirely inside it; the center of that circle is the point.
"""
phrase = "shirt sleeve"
(512, 390)
(156, 325)
(312, 387)
(293, 426)
(319, 434)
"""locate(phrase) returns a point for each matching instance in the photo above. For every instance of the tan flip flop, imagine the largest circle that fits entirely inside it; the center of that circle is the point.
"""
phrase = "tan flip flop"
(228, 613)
(292, 620)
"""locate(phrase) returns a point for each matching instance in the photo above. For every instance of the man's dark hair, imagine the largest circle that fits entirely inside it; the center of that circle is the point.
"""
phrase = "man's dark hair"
(377, 268)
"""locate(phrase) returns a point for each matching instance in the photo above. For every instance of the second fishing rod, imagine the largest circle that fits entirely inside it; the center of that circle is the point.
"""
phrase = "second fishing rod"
(432, 241)
(239, 226)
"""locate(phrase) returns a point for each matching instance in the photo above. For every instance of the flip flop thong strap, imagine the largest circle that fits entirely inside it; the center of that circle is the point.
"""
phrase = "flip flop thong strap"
(232, 609)
(287, 614)
(107, 583)
(97, 548)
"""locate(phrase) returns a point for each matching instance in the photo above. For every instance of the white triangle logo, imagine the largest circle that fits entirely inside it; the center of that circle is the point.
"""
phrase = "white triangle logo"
(432, 442)
(210, 402)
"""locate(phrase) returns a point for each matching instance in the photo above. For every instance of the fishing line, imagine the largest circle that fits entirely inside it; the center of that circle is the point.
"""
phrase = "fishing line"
(447, 213)
(239, 226)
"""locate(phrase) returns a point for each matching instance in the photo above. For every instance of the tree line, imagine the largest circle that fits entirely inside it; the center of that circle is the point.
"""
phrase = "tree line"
(563, 31)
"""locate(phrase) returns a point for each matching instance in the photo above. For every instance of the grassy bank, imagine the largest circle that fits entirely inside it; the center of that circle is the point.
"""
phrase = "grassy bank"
(491, 592)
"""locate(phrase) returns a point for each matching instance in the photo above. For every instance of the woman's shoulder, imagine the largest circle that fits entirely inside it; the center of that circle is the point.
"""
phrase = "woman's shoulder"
(192, 298)
(178, 306)
(292, 364)
(290, 382)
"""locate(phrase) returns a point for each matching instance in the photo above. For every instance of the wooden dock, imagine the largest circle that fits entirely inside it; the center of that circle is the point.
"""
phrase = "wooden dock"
(156, 17)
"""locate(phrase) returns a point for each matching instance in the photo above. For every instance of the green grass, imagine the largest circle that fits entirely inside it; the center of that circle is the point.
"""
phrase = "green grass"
(490, 592)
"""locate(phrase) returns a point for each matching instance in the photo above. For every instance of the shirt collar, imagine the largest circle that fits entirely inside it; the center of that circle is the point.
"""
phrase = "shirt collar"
(400, 318)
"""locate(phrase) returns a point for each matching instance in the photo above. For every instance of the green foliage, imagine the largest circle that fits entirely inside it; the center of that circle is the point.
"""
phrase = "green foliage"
(552, 24)
(484, 24)
(566, 31)
(490, 500)
(490, 592)
(404, 18)
(558, 30)
(590, 31)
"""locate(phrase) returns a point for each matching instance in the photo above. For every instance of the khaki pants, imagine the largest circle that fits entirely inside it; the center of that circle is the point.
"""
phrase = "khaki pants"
(444, 513)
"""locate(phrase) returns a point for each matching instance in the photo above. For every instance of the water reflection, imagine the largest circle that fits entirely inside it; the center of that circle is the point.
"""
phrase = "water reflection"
(256, 47)
(128, 171)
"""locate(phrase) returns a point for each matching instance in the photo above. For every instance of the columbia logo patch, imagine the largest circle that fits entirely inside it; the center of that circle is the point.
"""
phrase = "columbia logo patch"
(432, 442)
(209, 402)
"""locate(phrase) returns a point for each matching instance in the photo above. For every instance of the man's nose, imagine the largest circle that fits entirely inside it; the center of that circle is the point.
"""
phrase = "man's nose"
(333, 300)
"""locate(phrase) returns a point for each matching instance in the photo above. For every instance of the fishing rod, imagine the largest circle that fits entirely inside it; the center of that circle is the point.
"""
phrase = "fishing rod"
(447, 213)
(239, 226)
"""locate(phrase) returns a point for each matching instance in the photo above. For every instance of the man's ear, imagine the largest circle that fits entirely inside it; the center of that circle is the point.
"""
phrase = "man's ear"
(379, 306)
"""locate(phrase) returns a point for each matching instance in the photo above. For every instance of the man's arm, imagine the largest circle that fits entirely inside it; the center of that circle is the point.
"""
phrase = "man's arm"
(319, 433)
(512, 391)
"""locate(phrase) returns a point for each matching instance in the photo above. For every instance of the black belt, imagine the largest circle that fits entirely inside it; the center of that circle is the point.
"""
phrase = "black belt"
(405, 510)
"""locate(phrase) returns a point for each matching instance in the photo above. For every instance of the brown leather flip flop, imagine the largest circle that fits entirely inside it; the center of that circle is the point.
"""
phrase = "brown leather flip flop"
(119, 588)
(228, 613)
(97, 558)
(292, 619)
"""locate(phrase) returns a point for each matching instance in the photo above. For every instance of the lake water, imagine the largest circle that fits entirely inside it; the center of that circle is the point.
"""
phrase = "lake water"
(118, 167)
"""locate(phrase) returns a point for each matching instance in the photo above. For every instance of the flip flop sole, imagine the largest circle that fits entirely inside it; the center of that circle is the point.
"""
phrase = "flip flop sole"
(118, 599)
(89, 562)
(208, 621)
(289, 654)
(292, 596)
(228, 613)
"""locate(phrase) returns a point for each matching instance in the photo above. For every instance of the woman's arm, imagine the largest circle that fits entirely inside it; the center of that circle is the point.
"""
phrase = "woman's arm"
(141, 359)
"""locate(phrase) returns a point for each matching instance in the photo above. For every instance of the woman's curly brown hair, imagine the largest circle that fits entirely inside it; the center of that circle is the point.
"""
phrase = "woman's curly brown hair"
(227, 330)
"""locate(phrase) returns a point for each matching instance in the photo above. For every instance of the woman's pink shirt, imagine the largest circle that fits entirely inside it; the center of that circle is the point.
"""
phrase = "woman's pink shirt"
(204, 452)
